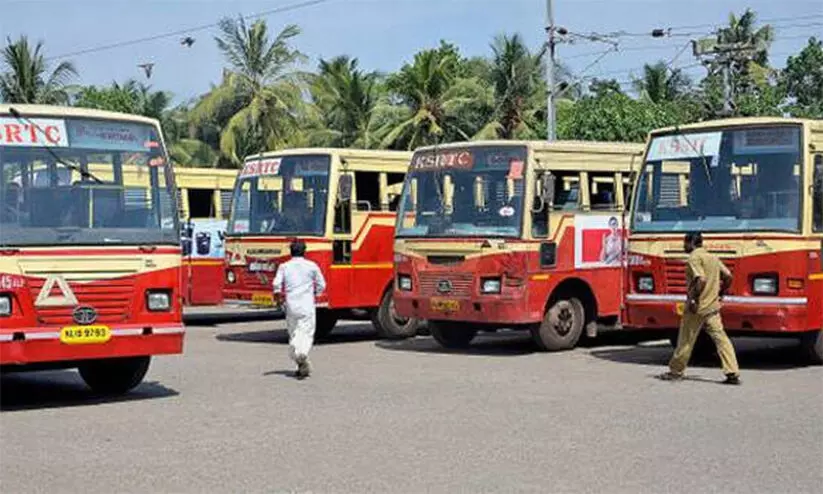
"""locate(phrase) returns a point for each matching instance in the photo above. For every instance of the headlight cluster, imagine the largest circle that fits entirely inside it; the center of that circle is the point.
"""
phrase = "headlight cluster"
(490, 285)
(158, 301)
(764, 285)
(404, 283)
(645, 283)
(5, 305)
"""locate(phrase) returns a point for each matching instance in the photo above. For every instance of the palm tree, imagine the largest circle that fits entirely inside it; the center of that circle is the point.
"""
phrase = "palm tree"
(659, 84)
(516, 75)
(741, 30)
(433, 99)
(260, 93)
(346, 98)
(25, 78)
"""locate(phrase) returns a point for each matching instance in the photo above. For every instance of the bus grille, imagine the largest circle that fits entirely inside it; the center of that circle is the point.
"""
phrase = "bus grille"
(254, 281)
(675, 270)
(461, 284)
(110, 298)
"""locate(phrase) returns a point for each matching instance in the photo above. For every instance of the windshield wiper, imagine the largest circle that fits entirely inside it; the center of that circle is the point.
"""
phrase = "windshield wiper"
(698, 151)
(83, 173)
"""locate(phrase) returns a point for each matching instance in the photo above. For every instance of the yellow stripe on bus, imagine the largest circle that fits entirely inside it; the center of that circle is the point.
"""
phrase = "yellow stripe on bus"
(816, 276)
(540, 277)
(384, 265)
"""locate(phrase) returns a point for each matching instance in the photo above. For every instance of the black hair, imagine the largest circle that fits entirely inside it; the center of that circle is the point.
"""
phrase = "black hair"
(695, 239)
(297, 248)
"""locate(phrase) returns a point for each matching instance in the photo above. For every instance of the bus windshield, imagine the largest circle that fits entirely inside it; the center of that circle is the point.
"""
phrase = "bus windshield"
(281, 196)
(730, 180)
(476, 191)
(76, 181)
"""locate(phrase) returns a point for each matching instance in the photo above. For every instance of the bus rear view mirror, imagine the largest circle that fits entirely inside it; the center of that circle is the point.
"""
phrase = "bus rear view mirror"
(547, 184)
(344, 188)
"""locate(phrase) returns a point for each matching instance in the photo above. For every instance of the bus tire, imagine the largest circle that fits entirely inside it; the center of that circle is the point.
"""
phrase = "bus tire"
(562, 325)
(114, 376)
(325, 321)
(812, 345)
(451, 335)
(388, 324)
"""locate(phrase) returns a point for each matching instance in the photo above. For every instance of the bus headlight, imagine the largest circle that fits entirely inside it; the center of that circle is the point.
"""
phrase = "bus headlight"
(230, 276)
(5, 305)
(158, 301)
(764, 285)
(645, 283)
(404, 282)
(490, 285)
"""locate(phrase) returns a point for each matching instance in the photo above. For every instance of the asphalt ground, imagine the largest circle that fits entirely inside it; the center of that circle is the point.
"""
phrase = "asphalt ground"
(407, 416)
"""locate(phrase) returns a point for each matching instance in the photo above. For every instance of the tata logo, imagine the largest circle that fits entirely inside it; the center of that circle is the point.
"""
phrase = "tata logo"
(444, 286)
(84, 315)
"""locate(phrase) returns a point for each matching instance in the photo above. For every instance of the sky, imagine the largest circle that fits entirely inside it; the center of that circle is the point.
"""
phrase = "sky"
(384, 34)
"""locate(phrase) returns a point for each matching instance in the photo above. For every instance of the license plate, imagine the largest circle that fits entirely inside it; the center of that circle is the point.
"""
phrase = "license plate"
(680, 308)
(83, 335)
(445, 305)
(263, 299)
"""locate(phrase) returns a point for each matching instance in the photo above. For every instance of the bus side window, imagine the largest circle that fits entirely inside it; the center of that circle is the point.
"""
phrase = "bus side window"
(567, 192)
(394, 185)
(817, 214)
(367, 187)
(602, 193)
(225, 203)
(201, 203)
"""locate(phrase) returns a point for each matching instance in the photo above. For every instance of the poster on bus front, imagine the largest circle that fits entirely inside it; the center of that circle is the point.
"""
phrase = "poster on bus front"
(599, 241)
(204, 238)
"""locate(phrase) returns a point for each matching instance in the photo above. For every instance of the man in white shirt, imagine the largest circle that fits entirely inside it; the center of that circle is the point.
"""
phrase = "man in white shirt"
(297, 283)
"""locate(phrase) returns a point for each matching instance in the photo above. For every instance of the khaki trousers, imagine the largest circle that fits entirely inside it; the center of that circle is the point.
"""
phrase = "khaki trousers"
(690, 326)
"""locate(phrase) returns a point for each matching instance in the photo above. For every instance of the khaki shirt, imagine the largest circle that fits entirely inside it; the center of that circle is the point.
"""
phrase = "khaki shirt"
(703, 265)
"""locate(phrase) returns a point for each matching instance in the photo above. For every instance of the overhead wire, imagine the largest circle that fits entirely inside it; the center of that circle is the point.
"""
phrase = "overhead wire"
(189, 30)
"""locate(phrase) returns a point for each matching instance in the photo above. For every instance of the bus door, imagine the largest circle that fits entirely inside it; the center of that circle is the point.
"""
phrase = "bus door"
(342, 272)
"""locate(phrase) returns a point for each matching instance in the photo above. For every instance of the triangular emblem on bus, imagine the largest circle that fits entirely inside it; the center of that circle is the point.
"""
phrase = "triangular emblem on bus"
(56, 292)
(236, 259)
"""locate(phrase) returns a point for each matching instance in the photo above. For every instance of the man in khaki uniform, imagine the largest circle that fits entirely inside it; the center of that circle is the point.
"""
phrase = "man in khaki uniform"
(707, 280)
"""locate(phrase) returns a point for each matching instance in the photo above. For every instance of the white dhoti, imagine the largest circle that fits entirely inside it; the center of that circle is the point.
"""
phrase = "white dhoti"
(301, 333)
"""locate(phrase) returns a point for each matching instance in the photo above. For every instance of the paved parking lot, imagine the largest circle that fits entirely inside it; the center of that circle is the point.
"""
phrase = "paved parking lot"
(409, 417)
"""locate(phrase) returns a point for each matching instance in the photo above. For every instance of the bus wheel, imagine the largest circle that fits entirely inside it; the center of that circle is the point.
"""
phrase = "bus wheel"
(325, 320)
(116, 375)
(389, 324)
(450, 335)
(561, 327)
(812, 345)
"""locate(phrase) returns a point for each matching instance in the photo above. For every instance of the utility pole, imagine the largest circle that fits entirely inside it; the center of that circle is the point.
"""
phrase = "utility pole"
(718, 58)
(550, 114)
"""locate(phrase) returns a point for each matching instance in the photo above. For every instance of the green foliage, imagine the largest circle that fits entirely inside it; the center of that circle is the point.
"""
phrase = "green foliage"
(803, 80)
(25, 77)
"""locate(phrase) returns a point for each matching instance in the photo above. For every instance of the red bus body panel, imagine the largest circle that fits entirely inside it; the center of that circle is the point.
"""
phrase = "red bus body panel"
(32, 333)
(526, 286)
(358, 284)
(797, 307)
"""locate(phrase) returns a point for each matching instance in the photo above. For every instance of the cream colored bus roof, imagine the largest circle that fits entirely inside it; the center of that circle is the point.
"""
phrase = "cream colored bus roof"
(70, 111)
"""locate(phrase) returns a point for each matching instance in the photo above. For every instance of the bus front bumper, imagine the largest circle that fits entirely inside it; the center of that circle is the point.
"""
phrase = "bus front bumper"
(494, 310)
(34, 345)
(750, 314)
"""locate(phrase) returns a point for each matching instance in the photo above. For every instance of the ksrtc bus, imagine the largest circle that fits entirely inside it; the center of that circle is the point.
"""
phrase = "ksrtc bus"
(754, 188)
(513, 234)
(342, 203)
(89, 260)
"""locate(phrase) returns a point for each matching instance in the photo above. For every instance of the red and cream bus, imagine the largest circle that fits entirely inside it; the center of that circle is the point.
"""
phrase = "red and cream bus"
(342, 203)
(89, 261)
(507, 234)
(754, 188)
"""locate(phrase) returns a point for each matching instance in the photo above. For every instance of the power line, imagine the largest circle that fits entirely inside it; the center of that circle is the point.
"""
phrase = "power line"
(285, 8)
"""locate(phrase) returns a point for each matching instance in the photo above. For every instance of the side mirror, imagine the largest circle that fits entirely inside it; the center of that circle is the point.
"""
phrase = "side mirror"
(547, 185)
(344, 188)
